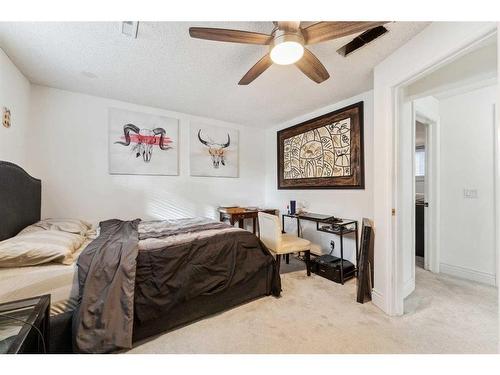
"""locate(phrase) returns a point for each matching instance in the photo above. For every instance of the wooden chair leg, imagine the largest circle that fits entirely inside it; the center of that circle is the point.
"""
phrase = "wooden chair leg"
(308, 262)
(287, 257)
(278, 262)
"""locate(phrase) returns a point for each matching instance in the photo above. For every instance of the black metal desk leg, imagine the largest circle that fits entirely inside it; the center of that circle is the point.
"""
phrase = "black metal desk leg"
(298, 227)
(357, 246)
(282, 223)
(308, 262)
(342, 255)
(46, 329)
(278, 263)
(287, 258)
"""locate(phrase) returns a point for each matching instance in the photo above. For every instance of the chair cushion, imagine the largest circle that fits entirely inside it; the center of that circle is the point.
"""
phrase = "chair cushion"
(292, 244)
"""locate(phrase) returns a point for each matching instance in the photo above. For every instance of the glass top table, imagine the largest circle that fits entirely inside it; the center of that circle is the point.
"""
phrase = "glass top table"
(18, 319)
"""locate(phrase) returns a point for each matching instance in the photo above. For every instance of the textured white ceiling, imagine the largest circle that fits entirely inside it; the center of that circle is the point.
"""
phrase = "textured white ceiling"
(166, 68)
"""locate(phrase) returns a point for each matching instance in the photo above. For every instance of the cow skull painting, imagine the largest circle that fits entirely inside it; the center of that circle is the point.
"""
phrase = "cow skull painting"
(142, 143)
(144, 140)
(213, 151)
(216, 150)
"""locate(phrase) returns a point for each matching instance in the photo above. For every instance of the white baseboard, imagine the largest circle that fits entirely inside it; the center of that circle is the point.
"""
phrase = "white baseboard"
(467, 273)
(408, 288)
(378, 300)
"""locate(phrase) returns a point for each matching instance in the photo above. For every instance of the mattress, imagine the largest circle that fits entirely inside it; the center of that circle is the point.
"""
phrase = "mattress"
(58, 280)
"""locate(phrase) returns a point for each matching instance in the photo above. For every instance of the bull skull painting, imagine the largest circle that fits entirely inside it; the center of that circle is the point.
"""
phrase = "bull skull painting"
(144, 140)
(216, 150)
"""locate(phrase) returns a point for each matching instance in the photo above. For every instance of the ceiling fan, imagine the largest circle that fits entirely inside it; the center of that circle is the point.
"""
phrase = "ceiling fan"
(287, 43)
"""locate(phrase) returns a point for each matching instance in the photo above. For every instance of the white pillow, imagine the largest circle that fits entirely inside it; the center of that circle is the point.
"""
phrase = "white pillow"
(74, 226)
(38, 247)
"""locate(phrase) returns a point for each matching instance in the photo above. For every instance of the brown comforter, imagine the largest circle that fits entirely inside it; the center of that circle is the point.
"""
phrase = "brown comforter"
(143, 270)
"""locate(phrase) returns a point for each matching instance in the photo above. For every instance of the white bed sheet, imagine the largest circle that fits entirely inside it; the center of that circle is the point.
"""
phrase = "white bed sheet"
(58, 280)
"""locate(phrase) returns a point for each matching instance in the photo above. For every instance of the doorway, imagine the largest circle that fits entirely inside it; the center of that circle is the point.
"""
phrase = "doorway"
(390, 77)
(420, 189)
(447, 218)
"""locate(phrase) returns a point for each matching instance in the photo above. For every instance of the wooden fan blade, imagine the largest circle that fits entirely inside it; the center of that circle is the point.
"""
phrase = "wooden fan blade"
(256, 70)
(226, 35)
(323, 31)
(290, 26)
(312, 67)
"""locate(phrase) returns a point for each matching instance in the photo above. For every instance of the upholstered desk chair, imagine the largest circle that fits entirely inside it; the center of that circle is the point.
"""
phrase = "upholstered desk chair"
(282, 243)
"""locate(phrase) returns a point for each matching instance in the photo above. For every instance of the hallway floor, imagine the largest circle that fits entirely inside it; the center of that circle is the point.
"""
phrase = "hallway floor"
(315, 315)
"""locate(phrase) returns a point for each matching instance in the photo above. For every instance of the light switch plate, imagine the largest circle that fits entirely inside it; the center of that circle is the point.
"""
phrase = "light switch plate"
(470, 193)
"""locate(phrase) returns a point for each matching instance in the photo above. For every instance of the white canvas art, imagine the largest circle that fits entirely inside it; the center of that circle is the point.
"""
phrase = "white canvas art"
(213, 151)
(142, 143)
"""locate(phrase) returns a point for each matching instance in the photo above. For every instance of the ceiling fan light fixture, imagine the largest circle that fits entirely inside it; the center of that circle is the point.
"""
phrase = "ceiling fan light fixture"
(287, 42)
(287, 53)
(287, 49)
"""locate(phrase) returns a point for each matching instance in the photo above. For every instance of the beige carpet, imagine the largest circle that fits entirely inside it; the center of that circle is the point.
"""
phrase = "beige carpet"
(314, 315)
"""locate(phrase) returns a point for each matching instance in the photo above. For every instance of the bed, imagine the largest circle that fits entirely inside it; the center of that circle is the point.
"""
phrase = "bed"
(137, 279)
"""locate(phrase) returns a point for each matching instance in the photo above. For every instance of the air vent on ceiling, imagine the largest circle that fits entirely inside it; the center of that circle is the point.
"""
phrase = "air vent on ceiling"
(130, 28)
(361, 40)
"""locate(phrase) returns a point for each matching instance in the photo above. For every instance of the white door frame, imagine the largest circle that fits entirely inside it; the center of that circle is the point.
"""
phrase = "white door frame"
(431, 191)
(421, 119)
(436, 45)
(432, 178)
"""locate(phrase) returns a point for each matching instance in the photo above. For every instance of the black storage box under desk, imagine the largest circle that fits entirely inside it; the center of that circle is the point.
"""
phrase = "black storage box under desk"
(328, 266)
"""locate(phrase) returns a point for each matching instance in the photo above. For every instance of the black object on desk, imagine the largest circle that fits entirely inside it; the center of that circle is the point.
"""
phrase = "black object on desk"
(337, 226)
(24, 325)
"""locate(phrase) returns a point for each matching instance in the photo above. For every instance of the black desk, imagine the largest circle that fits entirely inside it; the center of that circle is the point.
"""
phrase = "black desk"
(339, 227)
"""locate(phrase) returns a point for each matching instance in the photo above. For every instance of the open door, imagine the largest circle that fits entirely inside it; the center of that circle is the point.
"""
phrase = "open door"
(406, 196)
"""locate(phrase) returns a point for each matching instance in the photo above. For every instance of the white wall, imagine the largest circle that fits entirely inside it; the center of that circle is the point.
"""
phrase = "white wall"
(469, 71)
(354, 204)
(15, 95)
(467, 244)
(427, 108)
(69, 150)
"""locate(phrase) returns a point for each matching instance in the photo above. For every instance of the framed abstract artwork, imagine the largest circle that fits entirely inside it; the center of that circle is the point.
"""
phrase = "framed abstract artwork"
(323, 153)
(142, 143)
(213, 151)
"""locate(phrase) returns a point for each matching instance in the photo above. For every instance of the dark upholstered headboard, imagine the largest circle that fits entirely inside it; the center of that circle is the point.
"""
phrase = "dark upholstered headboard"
(20, 199)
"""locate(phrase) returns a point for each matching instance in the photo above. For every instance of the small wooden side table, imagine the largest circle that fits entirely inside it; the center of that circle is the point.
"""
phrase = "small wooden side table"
(239, 217)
